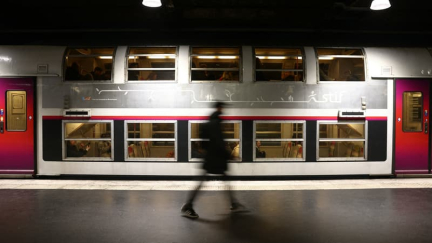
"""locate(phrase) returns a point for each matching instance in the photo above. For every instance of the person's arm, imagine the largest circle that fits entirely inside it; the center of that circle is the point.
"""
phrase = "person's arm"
(104, 147)
(259, 153)
(76, 153)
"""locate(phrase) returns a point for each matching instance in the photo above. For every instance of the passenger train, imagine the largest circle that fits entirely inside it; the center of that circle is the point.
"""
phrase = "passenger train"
(138, 110)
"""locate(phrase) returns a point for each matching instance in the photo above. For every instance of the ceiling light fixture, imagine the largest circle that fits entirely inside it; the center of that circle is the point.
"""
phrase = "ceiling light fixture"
(226, 57)
(152, 3)
(161, 56)
(217, 57)
(5, 59)
(380, 4)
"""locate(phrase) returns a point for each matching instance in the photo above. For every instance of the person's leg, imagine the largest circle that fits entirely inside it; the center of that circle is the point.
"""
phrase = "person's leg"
(194, 193)
(187, 209)
(228, 186)
(236, 207)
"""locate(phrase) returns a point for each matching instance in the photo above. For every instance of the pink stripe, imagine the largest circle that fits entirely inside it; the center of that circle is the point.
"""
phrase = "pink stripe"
(16, 171)
(411, 171)
(308, 118)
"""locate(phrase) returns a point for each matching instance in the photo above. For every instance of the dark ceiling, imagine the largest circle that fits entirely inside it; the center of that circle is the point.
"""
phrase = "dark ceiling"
(246, 22)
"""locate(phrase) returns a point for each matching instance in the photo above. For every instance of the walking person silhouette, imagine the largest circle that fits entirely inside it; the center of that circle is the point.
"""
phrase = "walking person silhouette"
(215, 162)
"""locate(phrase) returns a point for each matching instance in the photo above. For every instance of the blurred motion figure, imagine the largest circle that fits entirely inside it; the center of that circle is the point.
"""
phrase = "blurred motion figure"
(215, 162)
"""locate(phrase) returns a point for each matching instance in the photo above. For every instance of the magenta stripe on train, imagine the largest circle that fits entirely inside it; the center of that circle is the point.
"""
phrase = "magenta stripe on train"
(307, 118)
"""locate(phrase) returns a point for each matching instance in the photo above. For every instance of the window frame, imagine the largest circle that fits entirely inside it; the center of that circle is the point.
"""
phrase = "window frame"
(127, 69)
(342, 159)
(64, 122)
(340, 56)
(239, 69)
(303, 70)
(144, 159)
(88, 81)
(190, 140)
(303, 140)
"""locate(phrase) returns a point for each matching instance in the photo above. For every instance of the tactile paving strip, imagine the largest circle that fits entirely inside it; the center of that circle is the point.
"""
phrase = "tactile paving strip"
(217, 185)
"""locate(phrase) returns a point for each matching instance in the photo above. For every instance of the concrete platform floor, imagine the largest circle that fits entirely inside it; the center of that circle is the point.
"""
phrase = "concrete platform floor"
(394, 210)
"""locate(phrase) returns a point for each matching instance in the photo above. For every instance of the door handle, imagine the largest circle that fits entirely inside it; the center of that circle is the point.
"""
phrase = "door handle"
(426, 127)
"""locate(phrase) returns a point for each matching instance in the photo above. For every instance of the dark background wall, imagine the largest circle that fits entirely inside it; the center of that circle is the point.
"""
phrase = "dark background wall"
(211, 22)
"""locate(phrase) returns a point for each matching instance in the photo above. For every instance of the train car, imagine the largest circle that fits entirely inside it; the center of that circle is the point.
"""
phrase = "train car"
(138, 110)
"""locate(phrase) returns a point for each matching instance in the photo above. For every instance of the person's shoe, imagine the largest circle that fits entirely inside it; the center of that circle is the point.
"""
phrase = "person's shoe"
(238, 208)
(189, 212)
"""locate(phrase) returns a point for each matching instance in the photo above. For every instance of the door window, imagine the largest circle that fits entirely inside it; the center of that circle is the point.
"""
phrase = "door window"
(16, 111)
(412, 112)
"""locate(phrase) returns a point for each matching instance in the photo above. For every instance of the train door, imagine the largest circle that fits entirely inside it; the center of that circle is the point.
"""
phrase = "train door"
(412, 127)
(17, 150)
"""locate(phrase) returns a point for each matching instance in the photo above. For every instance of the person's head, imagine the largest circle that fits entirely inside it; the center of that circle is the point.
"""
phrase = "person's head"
(233, 145)
(289, 78)
(152, 76)
(75, 66)
(72, 142)
(196, 145)
(170, 154)
(98, 70)
(133, 65)
(107, 75)
(258, 63)
(219, 106)
(258, 143)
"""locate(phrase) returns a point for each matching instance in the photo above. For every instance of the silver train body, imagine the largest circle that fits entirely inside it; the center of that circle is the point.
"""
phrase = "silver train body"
(118, 102)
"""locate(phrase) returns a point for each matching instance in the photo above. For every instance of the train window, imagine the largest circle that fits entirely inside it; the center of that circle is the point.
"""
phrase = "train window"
(151, 64)
(342, 140)
(16, 111)
(87, 64)
(412, 115)
(280, 141)
(151, 140)
(215, 64)
(232, 136)
(88, 140)
(278, 64)
(341, 64)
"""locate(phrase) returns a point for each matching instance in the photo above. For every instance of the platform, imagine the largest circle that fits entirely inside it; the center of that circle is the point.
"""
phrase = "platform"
(374, 210)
